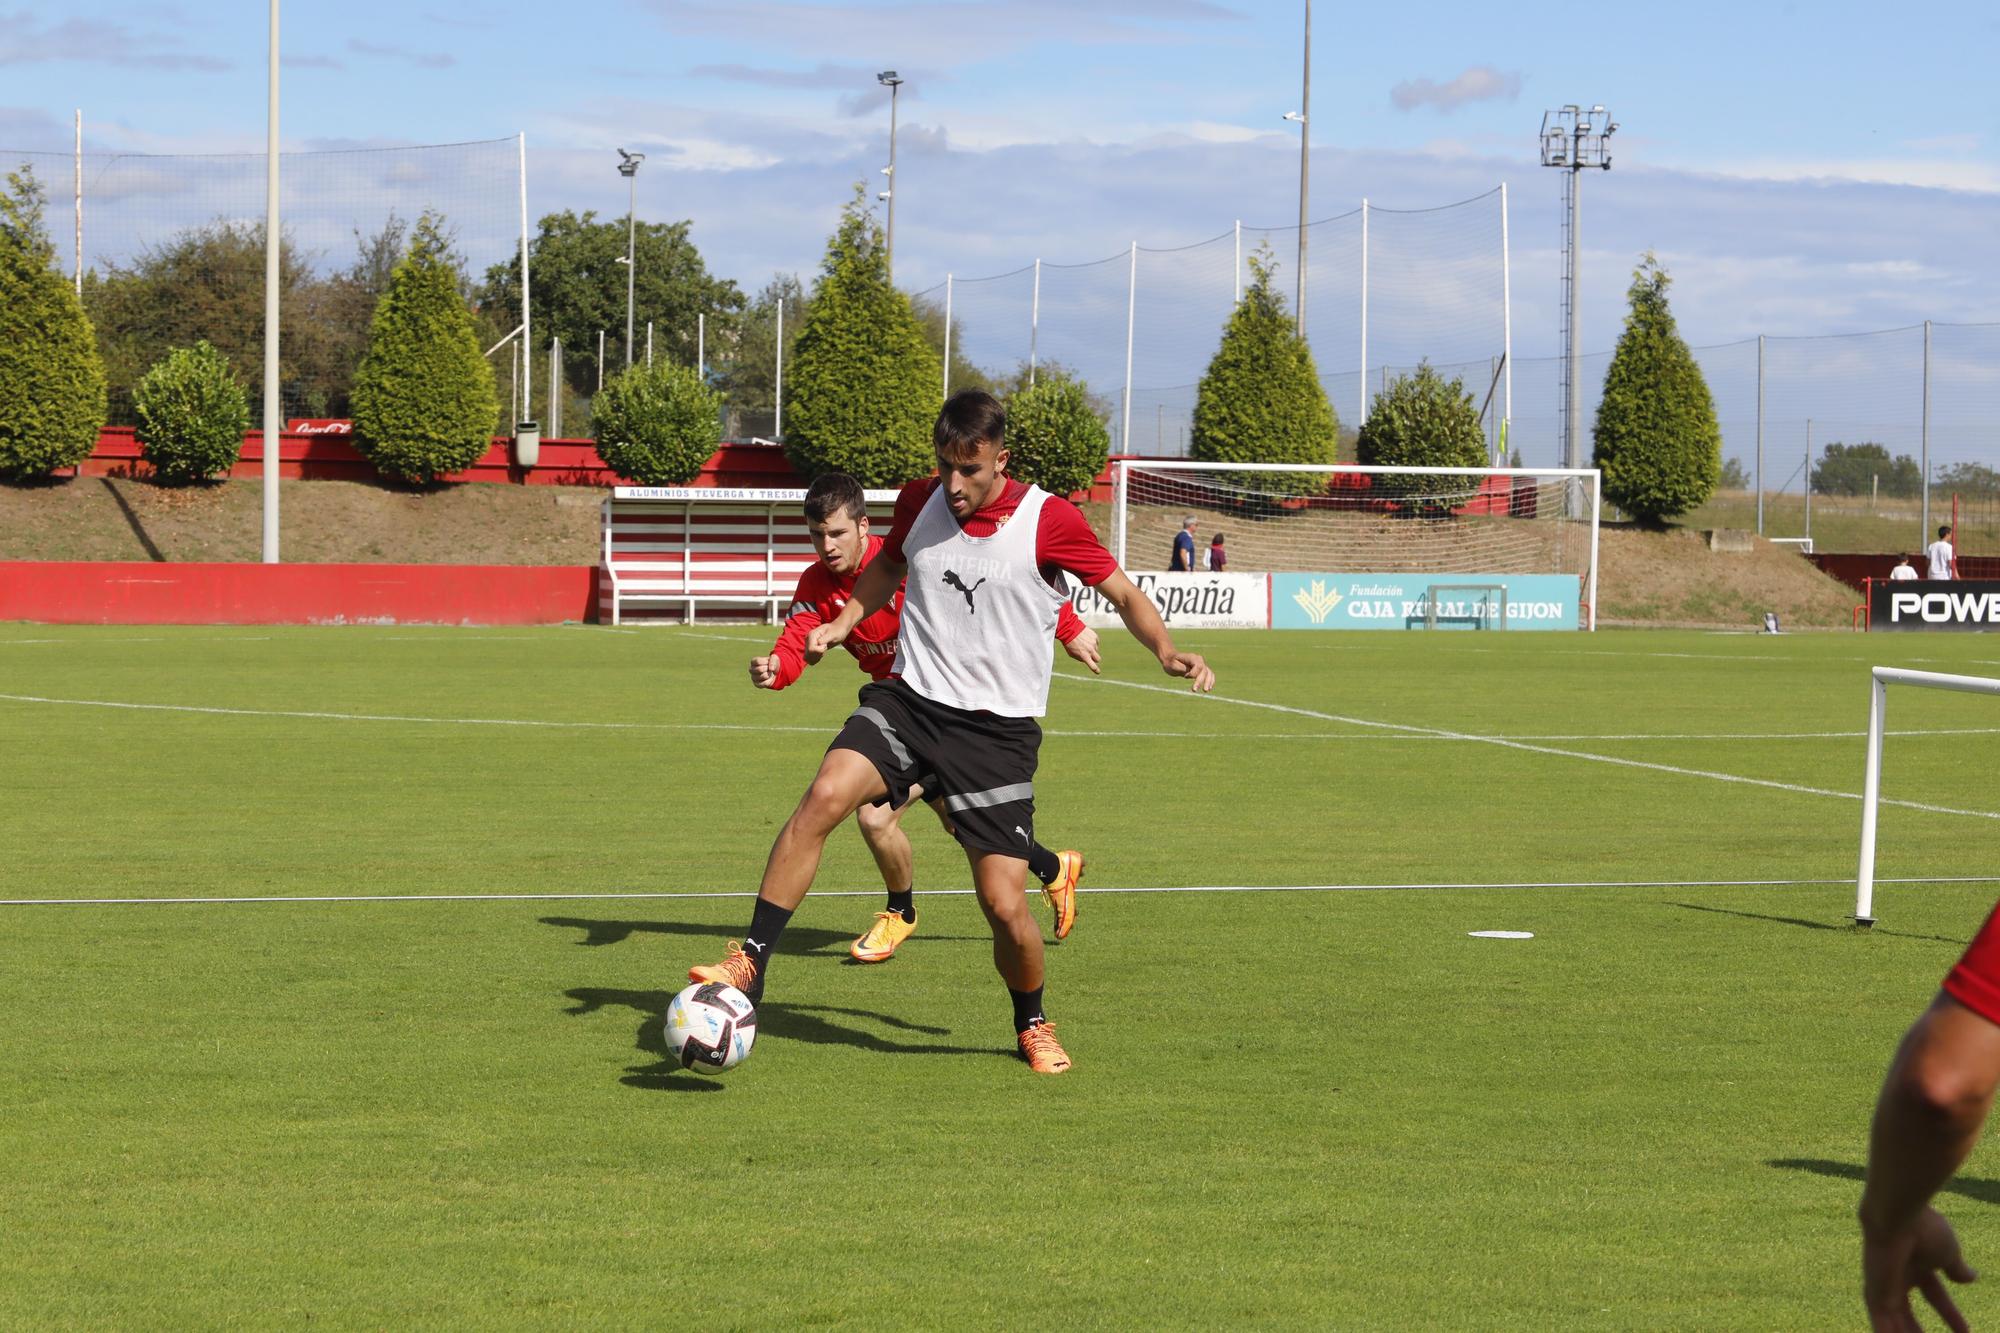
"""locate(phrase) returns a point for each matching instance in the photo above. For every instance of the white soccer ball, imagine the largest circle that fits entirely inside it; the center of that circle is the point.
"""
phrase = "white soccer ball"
(710, 1027)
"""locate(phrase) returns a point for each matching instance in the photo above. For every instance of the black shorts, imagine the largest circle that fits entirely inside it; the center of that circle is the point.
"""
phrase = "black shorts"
(981, 765)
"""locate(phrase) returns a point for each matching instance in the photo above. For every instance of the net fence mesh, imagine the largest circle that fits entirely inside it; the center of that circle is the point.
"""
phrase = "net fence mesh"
(199, 220)
(1373, 523)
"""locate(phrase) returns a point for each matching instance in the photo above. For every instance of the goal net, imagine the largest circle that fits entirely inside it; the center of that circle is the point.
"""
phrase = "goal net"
(1349, 519)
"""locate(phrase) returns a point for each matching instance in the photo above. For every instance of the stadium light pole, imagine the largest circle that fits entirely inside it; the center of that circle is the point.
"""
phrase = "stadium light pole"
(887, 78)
(1574, 139)
(1302, 116)
(629, 169)
(271, 243)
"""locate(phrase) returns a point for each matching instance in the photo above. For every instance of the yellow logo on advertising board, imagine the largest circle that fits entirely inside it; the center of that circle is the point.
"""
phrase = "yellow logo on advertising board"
(1317, 601)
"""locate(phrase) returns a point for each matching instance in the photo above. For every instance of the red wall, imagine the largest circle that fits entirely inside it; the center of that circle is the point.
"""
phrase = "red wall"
(142, 593)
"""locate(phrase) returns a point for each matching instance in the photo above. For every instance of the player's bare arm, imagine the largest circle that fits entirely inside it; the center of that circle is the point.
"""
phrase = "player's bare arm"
(872, 591)
(1933, 1102)
(1142, 618)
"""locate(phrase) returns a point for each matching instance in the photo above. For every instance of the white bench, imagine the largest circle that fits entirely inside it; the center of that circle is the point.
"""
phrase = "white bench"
(671, 552)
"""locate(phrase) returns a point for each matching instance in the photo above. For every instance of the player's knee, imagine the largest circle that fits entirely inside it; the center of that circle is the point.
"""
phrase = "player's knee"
(877, 822)
(826, 803)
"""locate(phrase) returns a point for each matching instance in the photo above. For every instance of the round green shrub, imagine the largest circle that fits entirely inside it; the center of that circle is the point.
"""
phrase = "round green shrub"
(192, 414)
(424, 403)
(656, 425)
(1055, 439)
(1657, 439)
(863, 387)
(52, 387)
(1260, 400)
(1421, 420)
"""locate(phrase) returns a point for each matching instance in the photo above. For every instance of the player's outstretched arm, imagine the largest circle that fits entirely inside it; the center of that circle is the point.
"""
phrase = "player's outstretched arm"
(872, 591)
(1933, 1102)
(1142, 618)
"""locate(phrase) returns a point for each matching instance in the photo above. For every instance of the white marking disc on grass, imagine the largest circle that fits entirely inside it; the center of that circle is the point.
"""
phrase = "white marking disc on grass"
(1501, 934)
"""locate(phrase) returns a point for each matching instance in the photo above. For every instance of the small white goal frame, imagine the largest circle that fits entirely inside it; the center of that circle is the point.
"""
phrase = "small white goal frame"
(1880, 679)
(1122, 468)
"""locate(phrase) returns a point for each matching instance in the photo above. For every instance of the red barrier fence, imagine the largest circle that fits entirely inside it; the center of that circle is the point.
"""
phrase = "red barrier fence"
(141, 593)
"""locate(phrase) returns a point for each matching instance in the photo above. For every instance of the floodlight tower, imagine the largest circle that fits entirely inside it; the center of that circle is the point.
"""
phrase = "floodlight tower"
(1574, 139)
(887, 78)
(628, 167)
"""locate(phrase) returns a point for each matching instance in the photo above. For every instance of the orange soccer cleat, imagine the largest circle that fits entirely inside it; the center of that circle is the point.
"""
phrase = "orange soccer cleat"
(737, 969)
(1042, 1051)
(1061, 891)
(878, 944)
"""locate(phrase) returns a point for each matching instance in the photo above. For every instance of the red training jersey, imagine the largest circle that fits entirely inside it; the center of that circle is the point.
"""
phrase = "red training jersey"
(822, 594)
(1975, 981)
(1063, 539)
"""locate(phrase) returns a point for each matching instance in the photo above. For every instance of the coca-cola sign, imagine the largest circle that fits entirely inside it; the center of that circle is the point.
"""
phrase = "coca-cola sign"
(318, 426)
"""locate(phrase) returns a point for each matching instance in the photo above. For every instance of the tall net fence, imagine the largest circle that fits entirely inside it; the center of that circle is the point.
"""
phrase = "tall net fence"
(172, 251)
(1383, 287)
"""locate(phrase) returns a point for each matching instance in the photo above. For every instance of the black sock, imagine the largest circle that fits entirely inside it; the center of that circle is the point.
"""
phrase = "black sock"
(1045, 863)
(1027, 1008)
(767, 923)
(904, 904)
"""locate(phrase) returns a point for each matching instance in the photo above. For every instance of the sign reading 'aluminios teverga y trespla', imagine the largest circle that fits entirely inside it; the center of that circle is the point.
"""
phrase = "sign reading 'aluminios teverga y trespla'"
(1404, 601)
(1912, 604)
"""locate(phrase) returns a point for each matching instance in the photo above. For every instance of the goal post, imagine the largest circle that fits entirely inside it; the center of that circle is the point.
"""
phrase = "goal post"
(1364, 521)
(1880, 679)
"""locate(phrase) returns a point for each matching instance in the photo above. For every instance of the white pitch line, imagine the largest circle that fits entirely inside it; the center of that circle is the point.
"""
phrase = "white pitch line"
(966, 893)
(1507, 743)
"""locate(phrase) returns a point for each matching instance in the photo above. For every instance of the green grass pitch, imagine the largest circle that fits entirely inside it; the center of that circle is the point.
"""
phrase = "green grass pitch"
(1324, 1108)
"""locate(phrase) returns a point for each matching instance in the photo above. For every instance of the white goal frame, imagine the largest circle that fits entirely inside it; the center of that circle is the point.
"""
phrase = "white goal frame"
(1122, 468)
(1880, 679)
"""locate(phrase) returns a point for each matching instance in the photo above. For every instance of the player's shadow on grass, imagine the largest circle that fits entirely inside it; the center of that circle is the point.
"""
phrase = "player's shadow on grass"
(1805, 924)
(787, 1022)
(1971, 1187)
(797, 939)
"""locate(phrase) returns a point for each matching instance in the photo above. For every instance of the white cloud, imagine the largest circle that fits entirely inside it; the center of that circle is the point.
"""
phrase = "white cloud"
(91, 41)
(1480, 83)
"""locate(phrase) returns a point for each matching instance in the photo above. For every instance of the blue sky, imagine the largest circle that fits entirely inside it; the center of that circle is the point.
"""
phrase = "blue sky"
(1803, 168)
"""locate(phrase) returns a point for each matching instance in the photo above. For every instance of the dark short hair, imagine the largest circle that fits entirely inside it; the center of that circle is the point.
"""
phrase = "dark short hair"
(1217, 540)
(832, 493)
(1943, 528)
(969, 418)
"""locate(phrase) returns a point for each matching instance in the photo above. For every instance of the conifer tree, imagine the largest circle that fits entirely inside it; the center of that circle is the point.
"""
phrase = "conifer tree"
(1657, 439)
(862, 390)
(1260, 401)
(52, 390)
(424, 400)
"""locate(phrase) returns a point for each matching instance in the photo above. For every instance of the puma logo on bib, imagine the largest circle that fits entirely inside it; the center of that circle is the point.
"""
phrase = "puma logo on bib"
(952, 580)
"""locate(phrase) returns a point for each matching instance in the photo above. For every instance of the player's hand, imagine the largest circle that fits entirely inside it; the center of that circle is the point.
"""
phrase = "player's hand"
(1085, 650)
(820, 641)
(1191, 668)
(764, 672)
(1894, 1265)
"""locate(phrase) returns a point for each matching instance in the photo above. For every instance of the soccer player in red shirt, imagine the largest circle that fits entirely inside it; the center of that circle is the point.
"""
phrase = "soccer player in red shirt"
(986, 559)
(1933, 1104)
(836, 512)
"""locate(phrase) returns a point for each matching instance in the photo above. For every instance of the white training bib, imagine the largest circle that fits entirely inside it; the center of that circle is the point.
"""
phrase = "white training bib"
(979, 619)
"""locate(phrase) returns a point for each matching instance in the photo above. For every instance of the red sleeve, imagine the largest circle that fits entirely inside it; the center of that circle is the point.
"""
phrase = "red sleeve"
(1068, 623)
(1064, 540)
(1975, 981)
(799, 622)
(909, 503)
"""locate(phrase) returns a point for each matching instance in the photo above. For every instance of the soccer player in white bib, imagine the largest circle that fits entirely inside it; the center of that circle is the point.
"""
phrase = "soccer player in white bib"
(986, 559)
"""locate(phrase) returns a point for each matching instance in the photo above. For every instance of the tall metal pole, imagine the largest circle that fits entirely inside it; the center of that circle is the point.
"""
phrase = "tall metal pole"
(555, 388)
(701, 345)
(271, 244)
(527, 320)
(1927, 436)
(1573, 409)
(631, 257)
(1236, 295)
(894, 87)
(778, 389)
(79, 203)
(1305, 159)
(1034, 323)
(1506, 330)
(1808, 479)
(1131, 312)
(1760, 435)
(947, 335)
(1364, 310)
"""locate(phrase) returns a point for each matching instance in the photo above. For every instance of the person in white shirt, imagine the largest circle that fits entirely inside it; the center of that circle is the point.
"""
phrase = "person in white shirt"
(1904, 570)
(1944, 560)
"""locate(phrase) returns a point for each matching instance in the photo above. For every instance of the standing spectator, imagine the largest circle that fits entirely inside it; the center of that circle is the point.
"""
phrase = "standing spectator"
(1217, 558)
(1944, 560)
(1183, 557)
(1904, 571)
